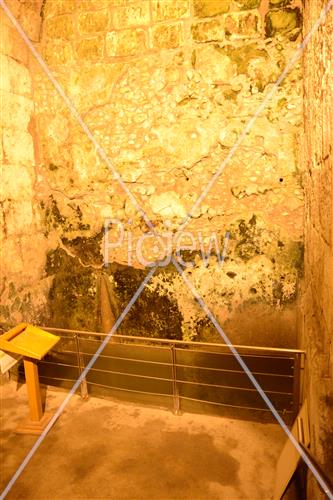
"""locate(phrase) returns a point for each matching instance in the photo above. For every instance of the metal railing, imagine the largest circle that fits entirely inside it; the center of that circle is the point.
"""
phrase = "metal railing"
(188, 376)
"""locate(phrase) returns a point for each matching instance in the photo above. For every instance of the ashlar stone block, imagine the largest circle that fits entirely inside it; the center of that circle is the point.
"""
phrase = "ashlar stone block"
(16, 110)
(90, 48)
(167, 36)
(126, 42)
(58, 53)
(131, 15)
(282, 21)
(163, 10)
(208, 31)
(242, 25)
(18, 147)
(208, 8)
(92, 22)
(59, 27)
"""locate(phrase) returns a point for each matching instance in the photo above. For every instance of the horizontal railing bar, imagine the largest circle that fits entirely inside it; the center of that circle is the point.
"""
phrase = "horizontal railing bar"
(127, 359)
(130, 390)
(57, 378)
(232, 406)
(267, 391)
(196, 383)
(130, 374)
(222, 370)
(179, 342)
(147, 361)
(56, 363)
(65, 351)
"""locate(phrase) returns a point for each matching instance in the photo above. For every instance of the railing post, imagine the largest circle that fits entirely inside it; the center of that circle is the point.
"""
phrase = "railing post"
(80, 364)
(176, 406)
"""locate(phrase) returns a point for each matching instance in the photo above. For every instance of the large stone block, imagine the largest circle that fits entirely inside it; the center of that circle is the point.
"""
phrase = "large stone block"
(208, 31)
(16, 182)
(279, 3)
(14, 76)
(131, 15)
(12, 44)
(11, 256)
(162, 10)
(92, 85)
(91, 22)
(167, 36)
(207, 8)
(16, 111)
(248, 4)
(243, 25)
(31, 21)
(59, 27)
(88, 5)
(58, 7)
(282, 21)
(126, 43)
(214, 65)
(19, 216)
(18, 147)
(58, 53)
(90, 49)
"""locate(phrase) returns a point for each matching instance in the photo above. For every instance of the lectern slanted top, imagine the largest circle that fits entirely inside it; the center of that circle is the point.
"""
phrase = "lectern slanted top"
(28, 340)
(33, 344)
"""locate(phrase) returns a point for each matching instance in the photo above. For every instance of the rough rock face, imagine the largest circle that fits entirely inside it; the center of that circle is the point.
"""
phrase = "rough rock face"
(24, 287)
(167, 91)
(317, 305)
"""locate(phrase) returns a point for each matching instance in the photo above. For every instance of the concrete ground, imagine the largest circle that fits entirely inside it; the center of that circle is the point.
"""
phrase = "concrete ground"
(106, 449)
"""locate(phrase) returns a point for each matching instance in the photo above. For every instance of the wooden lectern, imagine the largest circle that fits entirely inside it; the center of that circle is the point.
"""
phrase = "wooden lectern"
(33, 344)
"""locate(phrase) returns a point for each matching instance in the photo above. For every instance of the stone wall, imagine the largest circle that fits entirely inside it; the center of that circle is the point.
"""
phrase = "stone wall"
(318, 283)
(167, 87)
(24, 291)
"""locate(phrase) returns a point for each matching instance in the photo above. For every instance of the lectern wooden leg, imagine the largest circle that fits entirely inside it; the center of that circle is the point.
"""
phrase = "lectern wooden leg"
(38, 421)
(32, 381)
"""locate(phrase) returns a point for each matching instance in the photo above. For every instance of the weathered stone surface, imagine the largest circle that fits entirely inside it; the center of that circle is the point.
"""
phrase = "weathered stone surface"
(90, 48)
(18, 147)
(207, 8)
(61, 27)
(56, 8)
(126, 43)
(15, 77)
(13, 45)
(132, 15)
(167, 205)
(17, 184)
(248, 4)
(31, 23)
(89, 5)
(317, 304)
(282, 21)
(279, 3)
(215, 65)
(168, 119)
(16, 111)
(208, 31)
(58, 53)
(162, 10)
(167, 36)
(242, 25)
(92, 22)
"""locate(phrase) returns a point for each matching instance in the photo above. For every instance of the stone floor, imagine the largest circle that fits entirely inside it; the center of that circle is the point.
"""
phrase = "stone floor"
(106, 449)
